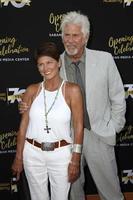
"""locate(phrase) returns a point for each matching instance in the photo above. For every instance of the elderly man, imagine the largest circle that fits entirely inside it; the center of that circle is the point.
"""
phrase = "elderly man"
(105, 105)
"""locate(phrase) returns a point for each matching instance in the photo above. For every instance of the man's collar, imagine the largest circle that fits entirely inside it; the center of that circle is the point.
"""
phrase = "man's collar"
(69, 61)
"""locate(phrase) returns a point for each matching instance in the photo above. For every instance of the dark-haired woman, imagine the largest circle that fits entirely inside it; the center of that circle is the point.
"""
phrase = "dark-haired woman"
(45, 147)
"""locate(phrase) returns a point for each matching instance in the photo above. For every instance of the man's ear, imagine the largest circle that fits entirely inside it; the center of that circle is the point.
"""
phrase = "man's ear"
(86, 38)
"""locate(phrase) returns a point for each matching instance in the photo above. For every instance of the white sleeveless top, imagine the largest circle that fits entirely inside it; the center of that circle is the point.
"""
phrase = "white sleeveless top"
(59, 118)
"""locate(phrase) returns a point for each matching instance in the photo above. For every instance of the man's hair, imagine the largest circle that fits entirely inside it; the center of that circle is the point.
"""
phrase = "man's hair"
(74, 17)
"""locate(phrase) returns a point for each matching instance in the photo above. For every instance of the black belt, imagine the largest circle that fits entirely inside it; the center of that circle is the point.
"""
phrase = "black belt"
(47, 146)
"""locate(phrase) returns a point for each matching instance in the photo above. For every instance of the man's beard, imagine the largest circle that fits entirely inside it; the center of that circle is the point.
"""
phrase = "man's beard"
(71, 52)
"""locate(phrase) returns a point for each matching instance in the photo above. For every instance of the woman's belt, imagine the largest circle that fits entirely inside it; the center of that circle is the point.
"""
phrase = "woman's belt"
(48, 146)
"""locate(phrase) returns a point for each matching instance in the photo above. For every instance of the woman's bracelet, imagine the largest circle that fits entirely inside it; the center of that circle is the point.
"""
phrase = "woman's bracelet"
(77, 148)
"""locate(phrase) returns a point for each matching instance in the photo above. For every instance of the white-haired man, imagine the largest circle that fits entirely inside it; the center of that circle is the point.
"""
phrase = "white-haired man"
(105, 104)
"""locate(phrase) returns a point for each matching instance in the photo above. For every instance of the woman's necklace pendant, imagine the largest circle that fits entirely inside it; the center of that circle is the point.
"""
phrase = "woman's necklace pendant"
(47, 129)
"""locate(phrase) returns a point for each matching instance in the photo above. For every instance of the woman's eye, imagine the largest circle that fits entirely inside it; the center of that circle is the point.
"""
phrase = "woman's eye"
(40, 65)
(50, 62)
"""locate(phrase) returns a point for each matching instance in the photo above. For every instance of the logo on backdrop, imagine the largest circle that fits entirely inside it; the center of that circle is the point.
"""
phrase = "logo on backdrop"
(125, 137)
(128, 90)
(10, 47)
(12, 95)
(3, 96)
(127, 176)
(128, 2)
(125, 3)
(4, 186)
(15, 3)
(122, 46)
(55, 21)
(7, 142)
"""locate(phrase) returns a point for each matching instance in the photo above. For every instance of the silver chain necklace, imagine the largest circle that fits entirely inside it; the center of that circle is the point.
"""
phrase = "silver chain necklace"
(47, 128)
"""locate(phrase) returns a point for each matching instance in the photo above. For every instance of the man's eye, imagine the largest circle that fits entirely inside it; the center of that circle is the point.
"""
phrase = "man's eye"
(66, 35)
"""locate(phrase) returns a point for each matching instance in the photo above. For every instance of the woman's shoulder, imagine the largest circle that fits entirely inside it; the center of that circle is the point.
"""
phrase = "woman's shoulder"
(33, 87)
(71, 84)
(72, 87)
(31, 90)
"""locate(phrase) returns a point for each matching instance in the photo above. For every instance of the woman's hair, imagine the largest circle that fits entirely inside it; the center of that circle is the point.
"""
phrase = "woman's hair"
(77, 18)
(47, 49)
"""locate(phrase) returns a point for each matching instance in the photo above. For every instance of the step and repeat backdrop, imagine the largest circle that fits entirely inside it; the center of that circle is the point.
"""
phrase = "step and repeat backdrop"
(24, 24)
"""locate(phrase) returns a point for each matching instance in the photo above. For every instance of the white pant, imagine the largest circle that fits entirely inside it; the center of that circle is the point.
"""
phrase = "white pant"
(41, 165)
(100, 158)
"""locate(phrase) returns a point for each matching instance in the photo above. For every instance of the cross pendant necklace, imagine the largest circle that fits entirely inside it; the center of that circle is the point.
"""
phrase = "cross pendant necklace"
(47, 128)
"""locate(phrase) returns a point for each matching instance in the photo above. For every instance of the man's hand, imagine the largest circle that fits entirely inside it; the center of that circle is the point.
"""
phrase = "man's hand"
(22, 106)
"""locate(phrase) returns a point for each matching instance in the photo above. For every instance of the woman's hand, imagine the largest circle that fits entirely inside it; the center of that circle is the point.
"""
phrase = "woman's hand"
(17, 167)
(73, 171)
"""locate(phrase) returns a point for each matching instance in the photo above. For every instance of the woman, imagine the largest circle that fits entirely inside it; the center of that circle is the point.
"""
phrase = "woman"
(44, 144)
